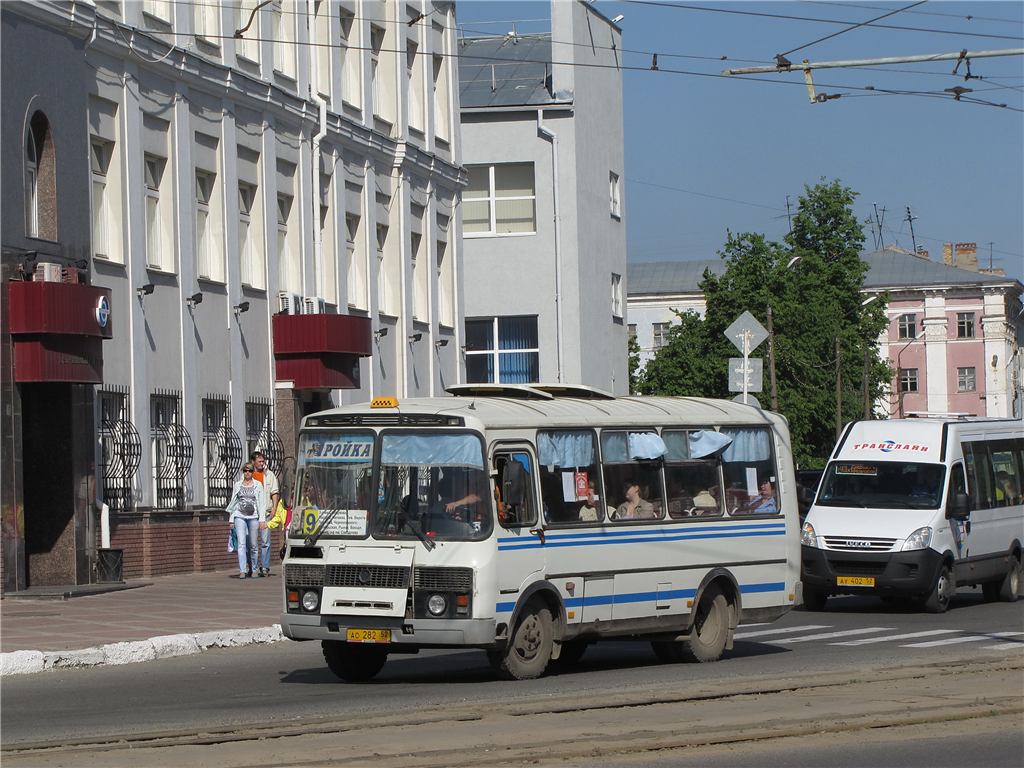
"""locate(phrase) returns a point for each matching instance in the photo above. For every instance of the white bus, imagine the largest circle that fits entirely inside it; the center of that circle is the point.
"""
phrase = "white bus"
(914, 507)
(530, 521)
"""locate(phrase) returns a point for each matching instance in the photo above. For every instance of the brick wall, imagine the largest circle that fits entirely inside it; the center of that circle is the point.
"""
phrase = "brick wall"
(162, 547)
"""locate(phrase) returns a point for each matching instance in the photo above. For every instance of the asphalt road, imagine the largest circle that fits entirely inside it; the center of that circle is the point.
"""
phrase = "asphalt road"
(287, 683)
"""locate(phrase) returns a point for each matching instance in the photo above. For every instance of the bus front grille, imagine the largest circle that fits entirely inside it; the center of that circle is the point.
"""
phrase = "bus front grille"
(444, 579)
(303, 575)
(858, 567)
(376, 576)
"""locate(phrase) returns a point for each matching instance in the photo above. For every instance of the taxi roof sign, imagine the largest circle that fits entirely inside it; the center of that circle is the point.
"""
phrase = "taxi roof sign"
(384, 402)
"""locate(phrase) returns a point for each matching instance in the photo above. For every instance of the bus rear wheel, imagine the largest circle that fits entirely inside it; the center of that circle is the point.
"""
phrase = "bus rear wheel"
(572, 651)
(710, 631)
(529, 648)
(1008, 588)
(352, 662)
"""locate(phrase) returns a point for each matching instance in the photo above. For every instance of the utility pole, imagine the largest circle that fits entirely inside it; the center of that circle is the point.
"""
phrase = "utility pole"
(910, 220)
(990, 256)
(839, 389)
(867, 402)
(878, 224)
(789, 218)
(771, 355)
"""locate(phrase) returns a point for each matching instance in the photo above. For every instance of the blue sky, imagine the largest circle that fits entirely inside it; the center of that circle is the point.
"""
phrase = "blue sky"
(706, 154)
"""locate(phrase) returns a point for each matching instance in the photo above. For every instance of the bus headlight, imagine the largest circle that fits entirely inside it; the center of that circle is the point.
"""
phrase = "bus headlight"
(437, 605)
(919, 539)
(807, 536)
(310, 600)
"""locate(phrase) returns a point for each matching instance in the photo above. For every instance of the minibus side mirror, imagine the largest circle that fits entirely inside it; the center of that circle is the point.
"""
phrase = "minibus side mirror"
(513, 485)
(959, 507)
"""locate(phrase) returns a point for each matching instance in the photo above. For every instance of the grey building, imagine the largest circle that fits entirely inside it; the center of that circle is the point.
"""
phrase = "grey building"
(953, 340)
(265, 193)
(543, 219)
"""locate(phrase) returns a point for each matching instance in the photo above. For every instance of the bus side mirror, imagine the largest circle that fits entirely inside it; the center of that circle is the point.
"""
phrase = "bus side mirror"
(513, 485)
(959, 507)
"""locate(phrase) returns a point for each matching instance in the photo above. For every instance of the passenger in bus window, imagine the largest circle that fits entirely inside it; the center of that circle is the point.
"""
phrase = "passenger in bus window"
(634, 507)
(590, 510)
(763, 504)
(706, 502)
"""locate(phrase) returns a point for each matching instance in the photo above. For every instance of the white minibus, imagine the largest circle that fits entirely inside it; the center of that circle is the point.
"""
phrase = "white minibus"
(915, 507)
(530, 521)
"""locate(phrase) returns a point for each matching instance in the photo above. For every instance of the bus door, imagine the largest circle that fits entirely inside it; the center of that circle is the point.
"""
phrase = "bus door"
(960, 529)
(521, 555)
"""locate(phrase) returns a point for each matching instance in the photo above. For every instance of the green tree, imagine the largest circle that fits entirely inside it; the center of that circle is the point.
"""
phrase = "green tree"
(633, 359)
(822, 329)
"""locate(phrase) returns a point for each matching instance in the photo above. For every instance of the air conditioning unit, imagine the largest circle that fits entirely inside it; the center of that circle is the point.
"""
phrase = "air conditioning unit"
(48, 272)
(290, 303)
(315, 306)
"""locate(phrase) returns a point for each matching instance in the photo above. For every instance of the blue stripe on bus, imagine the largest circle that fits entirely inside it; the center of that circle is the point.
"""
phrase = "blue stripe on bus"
(646, 597)
(635, 539)
(660, 531)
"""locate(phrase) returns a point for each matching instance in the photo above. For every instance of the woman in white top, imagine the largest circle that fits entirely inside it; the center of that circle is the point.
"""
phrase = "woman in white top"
(248, 500)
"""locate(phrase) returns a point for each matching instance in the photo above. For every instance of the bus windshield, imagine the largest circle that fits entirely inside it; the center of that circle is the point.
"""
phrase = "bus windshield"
(333, 485)
(883, 484)
(432, 486)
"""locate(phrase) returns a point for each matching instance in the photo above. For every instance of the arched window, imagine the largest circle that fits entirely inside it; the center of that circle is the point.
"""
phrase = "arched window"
(40, 180)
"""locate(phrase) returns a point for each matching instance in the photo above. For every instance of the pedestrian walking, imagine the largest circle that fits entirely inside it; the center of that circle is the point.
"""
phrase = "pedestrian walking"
(248, 500)
(266, 476)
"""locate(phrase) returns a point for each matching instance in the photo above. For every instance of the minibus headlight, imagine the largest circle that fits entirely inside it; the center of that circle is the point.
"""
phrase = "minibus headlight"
(437, 605)
(807, 536)
(919, 539)
(310, 600)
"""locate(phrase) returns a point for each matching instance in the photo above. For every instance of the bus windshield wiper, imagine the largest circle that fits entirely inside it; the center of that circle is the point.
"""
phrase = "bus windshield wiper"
(324, 522)
(418, 531)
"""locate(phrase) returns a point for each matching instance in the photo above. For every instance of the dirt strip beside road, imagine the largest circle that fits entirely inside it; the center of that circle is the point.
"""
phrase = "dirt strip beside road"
(605, 724)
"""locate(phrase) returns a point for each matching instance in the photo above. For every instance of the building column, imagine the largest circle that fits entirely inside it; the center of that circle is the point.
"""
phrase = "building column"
(936, 333)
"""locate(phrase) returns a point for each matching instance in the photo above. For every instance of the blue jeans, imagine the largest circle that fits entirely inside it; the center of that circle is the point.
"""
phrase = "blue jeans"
(246, 532)
(265, 548)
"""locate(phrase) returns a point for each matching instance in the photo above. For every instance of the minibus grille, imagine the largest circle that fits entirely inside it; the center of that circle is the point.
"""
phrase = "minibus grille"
(444, 579)
(304, 575)
(858, 567)
(852, 544)
(376, 576)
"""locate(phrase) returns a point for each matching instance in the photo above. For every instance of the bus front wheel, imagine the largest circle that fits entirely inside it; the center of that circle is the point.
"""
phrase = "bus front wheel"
(710, 630)
(352, 662)
(529, 648)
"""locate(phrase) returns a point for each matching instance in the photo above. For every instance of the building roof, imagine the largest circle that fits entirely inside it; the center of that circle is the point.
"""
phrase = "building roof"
(887, 269)
(508, 71)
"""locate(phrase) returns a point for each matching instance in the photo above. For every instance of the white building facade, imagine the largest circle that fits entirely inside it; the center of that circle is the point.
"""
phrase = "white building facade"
(543, 214)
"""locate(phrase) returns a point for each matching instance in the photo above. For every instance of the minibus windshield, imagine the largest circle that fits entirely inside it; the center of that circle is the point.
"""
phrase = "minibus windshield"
(333, 484)
(882, 485)
(432, 486)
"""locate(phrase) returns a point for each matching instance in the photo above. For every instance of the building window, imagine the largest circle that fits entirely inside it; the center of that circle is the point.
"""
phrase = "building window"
(908, 326)
(387, 276)
(288, 275)
(377, 71)
(247, 46)
(908, 380)
(613, 194)
(328, 277)
(414, 75)
(660, 334)
(502, 350)
(40, 180)
(499, 200)
(158, 11)
(631, 330)
(616, 295)
(284, 40)
(442, 123)
(205, 17)
(207, 261)
(420, 267)
(31, 185)
(171, 448)
(966, 380)
(249, 250)
(219, 460)
(158, 221)
(102, 225)
(351, 59)
(322, 49)
(356, 261)
(445, 276)
(965, 325)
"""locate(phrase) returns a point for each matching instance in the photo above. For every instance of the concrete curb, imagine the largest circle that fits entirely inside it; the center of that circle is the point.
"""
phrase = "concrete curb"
(136, 651)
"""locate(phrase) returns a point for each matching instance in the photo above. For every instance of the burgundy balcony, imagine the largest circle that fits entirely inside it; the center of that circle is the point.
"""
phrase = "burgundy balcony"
(58, 330)
(320, 351)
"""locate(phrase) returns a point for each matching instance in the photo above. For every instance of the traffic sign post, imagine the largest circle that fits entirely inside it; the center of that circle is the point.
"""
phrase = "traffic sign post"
(746, 333)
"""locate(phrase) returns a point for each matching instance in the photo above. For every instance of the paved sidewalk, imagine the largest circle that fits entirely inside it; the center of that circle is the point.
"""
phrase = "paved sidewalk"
(185, 612)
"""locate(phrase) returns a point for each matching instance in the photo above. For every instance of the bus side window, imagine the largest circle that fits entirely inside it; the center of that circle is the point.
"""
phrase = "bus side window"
(513, 489)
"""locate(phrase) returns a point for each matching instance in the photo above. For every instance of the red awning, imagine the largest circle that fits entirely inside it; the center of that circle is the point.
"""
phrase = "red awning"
(320, 351)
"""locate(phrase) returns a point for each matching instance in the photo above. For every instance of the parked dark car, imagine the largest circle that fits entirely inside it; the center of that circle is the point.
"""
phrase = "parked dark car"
(807, 481)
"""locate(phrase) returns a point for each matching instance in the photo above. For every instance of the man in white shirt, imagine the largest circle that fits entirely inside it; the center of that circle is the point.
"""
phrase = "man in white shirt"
(272, 492)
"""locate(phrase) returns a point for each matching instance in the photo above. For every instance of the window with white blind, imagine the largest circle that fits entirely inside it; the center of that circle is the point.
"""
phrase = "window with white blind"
(351, 59)
(414, 75)
(322, 49)
(500, 200)
(614, 195)
(247, 46)
(206, 21)
(616, 295)
(208, 261)
(105, 236)
(356, 261)
(502, 350)
(445, 277)
(250, 249)
(289, 275)
(159, 254)
(328, 288)
(283, 26)
(442, 98)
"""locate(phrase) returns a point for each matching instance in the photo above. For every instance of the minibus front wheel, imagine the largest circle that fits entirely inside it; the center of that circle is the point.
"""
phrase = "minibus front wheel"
(352, 662)
(937, 600)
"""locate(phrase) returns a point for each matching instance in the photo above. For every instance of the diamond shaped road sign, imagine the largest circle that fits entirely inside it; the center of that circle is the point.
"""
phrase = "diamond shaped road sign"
(751, 369)
(746, 325)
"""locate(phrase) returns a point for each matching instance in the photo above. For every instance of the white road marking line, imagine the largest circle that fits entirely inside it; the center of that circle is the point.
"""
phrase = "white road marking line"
(760, 633)
(1004, 646)
(869, 640)
(830, 635)
(965, 639)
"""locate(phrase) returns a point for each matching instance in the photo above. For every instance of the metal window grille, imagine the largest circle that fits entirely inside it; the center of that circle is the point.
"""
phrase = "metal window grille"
(222, 450)
(172, 450)
(260, 433)
(120, 449)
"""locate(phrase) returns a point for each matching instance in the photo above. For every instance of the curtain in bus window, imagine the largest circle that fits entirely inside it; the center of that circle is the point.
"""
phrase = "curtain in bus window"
(565, 449)
(616, 447)
(707, 442)
(433, 450)
(747, 445)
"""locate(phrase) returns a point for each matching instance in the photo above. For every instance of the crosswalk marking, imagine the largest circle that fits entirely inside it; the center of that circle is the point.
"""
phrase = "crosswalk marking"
(779, 631)
(909, 635)
(830, 635)
(1004, 646)
(964, 639)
